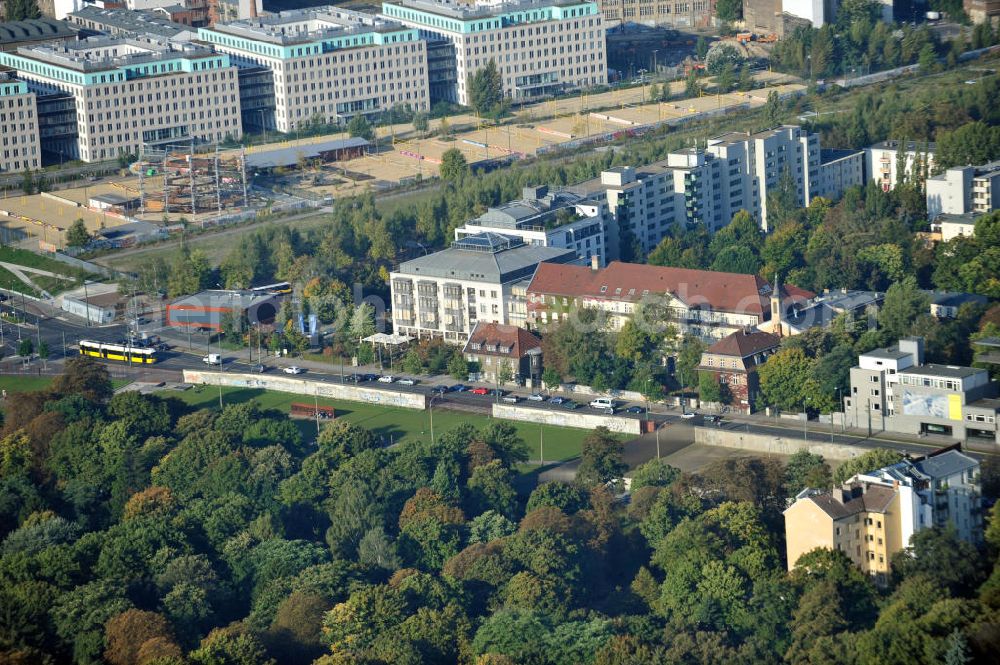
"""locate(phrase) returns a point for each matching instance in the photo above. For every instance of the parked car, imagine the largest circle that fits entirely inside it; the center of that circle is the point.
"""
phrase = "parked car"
(257, 368)
(511, 399)
(212, 359)
(386, 378)
(635, 409)
(688, 414)
(440, 390)
(496, 392)
(536, 397)
(480, 391)
(368, 377)
(293, 369)
(556, 400)
(603, 404)
(713, 419)
(458, 388)
(570, 404)
(407, 382)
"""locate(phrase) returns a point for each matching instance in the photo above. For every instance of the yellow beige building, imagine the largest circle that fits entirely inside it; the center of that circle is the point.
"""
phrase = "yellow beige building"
(876, 513)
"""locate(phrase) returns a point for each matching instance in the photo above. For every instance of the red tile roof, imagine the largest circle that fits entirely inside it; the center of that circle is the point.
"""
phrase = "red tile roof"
(518, 339)
(721, 291)
(742, 344)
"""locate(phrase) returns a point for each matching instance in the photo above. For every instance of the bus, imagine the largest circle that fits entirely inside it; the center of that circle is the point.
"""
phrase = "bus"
(124, 353)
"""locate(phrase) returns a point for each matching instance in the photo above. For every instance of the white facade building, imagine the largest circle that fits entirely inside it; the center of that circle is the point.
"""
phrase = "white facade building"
(328, 63)
(128, 92)
(882, 161)
(19, 147)
(964, 189)
(479, 279)
(540, 47)
(817, 12)
(549, 219)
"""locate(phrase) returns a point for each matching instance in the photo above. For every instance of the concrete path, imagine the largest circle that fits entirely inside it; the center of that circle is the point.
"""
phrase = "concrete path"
(19, 272)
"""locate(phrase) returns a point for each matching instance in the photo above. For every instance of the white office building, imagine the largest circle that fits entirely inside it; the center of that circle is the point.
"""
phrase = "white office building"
(479, 279)
(546, 218)
(327, 64)
(20, 149)
(882, 162)
(964, 190)
(540, 47)
(121, 93)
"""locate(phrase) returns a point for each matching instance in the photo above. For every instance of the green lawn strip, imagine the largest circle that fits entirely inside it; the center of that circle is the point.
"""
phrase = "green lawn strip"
(10, 281)
(393, 424)
(21, 383)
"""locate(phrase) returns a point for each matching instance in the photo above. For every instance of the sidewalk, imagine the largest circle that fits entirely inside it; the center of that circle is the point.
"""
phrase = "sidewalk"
(929, 440)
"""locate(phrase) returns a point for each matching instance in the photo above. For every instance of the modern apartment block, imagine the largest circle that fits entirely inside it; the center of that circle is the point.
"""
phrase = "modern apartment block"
(765, 159)
(20, 149)
(708, 186)
(839, 170)
(540, 47)
(102, 97)
(550, 219)
(642, 203)
(882, 161)
(964, 189)
(673, 13)
(875, 514)
(709, 305)
(893, 390)
(480, 278)
(327, 64)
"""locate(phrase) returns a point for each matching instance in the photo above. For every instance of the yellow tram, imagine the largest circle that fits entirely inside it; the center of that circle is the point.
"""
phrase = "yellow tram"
(121, 352)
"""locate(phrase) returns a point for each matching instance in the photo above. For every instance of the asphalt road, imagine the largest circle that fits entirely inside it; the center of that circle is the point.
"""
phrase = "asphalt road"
(187, 351)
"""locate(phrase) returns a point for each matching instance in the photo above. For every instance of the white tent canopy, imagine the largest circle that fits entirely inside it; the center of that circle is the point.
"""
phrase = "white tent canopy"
(387, 340)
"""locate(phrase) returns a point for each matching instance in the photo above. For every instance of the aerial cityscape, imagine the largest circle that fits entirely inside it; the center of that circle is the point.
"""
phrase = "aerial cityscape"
(499, 332)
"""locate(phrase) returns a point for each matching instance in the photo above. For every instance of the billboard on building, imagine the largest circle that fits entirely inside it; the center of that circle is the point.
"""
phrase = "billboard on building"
(946, 407)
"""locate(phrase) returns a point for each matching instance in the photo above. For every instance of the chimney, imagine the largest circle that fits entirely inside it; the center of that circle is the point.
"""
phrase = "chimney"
(253, 8)
(595, 262)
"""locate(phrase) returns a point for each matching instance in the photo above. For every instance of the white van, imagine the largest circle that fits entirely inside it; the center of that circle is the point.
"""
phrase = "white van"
(212, 359)
(603, 404)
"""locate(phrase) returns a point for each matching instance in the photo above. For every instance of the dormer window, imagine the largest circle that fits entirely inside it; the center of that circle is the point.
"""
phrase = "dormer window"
(604, 289)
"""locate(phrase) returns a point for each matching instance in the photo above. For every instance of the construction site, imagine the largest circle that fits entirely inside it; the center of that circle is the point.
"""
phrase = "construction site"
(174, 179)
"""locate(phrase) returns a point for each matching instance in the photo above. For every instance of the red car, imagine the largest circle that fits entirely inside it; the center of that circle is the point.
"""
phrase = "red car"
(480, 391)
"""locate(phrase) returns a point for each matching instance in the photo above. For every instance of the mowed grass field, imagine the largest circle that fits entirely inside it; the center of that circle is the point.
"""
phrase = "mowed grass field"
(391, 424)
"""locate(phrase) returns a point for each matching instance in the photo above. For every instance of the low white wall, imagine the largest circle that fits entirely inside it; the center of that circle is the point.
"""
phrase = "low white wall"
(774, 445)
(564, 418)
(307, 388)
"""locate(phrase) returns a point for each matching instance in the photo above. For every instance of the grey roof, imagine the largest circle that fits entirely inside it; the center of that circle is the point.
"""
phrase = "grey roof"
(828, 306)
(987, 341)
(266, 159)
(827, 155)
(958, 218)
(942, 371)
(890, 353)
(34, 29)
(954, 298)
(945, 464)
(148, 22)
(486, 257)
(911, 146)
(987, 403)
(223, 298)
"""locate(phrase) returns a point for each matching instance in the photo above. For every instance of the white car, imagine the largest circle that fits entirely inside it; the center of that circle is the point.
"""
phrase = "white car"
(386, 379)
(294, 369)
(688, 414)
(536, 397)
(212, 359)
(407, 382)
